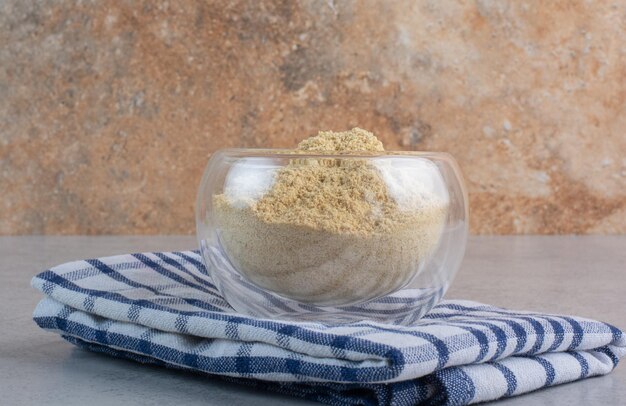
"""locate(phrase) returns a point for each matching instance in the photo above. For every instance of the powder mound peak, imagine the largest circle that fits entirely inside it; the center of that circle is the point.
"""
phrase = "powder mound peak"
(354, 140)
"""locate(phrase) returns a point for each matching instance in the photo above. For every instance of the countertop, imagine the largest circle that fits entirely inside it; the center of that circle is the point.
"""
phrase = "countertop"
(585, 276)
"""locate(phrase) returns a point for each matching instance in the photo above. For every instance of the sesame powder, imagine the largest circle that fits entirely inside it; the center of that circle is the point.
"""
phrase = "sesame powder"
(331, 231)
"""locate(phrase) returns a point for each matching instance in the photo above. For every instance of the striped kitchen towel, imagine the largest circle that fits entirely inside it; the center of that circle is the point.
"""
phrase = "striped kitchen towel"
(154, 308)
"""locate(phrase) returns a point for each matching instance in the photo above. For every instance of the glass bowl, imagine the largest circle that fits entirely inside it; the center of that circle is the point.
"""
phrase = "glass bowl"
(332, 238)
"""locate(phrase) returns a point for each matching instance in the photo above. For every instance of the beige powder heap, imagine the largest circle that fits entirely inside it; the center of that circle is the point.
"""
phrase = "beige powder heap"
(328, 231)
(356, 139)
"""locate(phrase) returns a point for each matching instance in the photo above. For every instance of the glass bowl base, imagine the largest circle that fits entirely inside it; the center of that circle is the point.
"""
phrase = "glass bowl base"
(402, 307)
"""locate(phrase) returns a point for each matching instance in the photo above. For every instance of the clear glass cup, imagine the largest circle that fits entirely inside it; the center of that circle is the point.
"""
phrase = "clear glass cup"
(392, 265)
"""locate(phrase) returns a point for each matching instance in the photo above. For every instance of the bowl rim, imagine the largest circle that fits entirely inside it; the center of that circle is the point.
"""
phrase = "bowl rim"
(292, 153)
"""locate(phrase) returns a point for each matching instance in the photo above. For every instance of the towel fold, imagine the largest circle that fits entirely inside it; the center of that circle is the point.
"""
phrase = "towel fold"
(153, 308)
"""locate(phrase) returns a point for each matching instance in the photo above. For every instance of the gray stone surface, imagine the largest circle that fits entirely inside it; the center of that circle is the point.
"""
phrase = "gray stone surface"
(585, 276)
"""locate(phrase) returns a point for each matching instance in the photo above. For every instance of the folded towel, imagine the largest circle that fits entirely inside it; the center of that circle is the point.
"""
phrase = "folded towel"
(153, 308)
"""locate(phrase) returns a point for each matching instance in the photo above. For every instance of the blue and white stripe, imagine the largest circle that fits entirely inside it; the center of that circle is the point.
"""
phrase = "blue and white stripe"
(153, 308)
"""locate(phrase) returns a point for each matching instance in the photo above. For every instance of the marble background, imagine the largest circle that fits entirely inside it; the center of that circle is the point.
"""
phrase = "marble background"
(109, 110)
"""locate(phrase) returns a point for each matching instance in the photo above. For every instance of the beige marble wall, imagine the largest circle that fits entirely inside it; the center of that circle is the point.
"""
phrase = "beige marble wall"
(109, 110)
